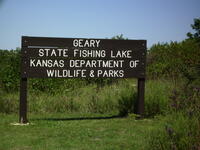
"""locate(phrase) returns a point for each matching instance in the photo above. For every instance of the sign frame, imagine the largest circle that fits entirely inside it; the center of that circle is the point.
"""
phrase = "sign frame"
(29, 42)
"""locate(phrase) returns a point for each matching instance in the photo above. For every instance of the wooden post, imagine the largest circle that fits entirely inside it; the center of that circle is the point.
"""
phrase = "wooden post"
(140, 97)
(23, 87)
(23, 101)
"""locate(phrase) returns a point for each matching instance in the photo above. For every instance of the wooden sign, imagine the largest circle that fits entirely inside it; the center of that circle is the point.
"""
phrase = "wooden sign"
(82, 58)
(45, 57)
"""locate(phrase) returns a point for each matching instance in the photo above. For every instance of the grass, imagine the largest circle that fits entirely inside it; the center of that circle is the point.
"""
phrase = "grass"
(83, 119)
(117, 97)
(88, 99)
(157, 97)
(75, 131)
(179, 131)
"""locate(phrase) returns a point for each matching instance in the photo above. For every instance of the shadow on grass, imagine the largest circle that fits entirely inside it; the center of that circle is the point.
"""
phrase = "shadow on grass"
(78, 118)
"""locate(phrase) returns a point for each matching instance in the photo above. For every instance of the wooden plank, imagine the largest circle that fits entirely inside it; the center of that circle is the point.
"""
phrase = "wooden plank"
(87, 53)
(41, 70)
(42, 73)
(68, 42)
(46, 63)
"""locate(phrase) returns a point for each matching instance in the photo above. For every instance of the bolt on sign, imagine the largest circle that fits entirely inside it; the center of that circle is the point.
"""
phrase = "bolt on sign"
(46, 57)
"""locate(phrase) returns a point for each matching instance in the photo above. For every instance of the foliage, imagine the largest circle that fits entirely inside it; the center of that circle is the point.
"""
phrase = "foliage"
(196, 28)
(179, 62)
(174, 60)
(157, 97)
(9, 69)
(85, 99)
(119, 37)
(179, 131)
(119, 97)
(127, 101)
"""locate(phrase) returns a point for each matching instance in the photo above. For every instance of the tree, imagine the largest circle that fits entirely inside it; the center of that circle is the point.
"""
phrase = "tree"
(196, 27)
(119, 37)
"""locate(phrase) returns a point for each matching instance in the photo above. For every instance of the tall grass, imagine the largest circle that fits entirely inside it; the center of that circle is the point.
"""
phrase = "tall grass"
(9, 102)
(118, 97)
(157, 97)
(85, 99)
(180, 131)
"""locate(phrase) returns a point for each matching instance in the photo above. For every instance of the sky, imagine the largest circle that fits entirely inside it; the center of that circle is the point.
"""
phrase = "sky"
(151, 20)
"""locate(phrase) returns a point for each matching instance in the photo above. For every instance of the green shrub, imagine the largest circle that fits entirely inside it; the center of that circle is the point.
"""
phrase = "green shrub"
(9, 70)
(180, 132)
(127, 102)
(173, 60)
(9, 103)
(157, 97)
(119, 97)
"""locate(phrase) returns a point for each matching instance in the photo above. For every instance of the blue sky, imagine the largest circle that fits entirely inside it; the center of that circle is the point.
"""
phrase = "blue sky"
(153, 20)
